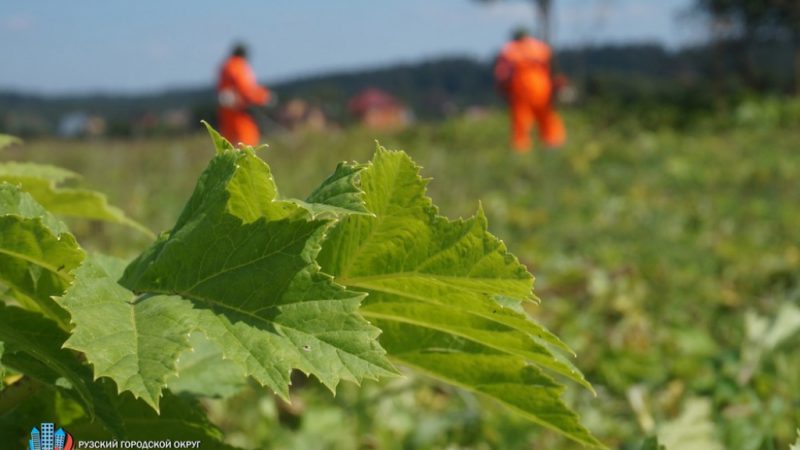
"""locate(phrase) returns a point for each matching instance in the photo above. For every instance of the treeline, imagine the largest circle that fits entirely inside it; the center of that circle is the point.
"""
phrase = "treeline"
(695, 78)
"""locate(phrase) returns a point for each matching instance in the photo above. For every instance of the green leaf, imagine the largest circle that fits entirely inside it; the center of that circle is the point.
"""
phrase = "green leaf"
(339, 194)
(203, 371)
(133, 341)
(246, 261)
(448, 296)
(37, 255)
(14, 200)
(42, 182)
(33, 346)
(220, 143)
(6, 141)
(796, 445)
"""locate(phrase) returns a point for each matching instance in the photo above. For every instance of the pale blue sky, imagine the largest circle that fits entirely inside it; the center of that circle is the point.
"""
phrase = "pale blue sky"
(56, 46)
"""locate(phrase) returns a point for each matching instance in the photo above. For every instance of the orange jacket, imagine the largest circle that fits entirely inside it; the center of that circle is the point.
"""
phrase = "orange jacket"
(237, 87)
(523, 69)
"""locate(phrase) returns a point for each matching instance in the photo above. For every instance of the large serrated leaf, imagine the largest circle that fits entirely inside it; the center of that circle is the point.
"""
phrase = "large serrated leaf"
(447, 296)
(36, 253)
(42, 182)
(246, 261)
(133, 341)
(32, 345)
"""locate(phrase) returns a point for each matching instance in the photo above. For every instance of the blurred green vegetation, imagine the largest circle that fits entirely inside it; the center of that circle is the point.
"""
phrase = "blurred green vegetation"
(666, 251)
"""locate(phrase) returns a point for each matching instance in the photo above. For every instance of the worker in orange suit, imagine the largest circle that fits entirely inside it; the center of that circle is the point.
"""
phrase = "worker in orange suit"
(523, 75)
(237, 91)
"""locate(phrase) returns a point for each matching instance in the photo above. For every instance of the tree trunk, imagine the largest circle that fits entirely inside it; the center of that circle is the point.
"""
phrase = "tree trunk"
(543, 8)
(718, 70)
(797, 63)
(747, 68)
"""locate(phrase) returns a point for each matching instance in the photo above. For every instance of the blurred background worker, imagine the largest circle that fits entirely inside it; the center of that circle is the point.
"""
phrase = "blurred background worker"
(523, 75)
(237, 90)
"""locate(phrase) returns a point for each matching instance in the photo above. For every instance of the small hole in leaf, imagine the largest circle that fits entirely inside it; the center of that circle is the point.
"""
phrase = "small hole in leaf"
(307, 348)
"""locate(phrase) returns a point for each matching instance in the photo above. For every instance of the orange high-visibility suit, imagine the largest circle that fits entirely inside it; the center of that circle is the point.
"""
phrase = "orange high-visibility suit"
(237, 90)
(522, 71)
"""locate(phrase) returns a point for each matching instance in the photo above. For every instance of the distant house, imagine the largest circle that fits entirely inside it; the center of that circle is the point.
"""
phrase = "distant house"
(378, 109)
(146, 123)
(299, 114)
(476, 113)
(176, 119)
(80, 124)
(165, 122)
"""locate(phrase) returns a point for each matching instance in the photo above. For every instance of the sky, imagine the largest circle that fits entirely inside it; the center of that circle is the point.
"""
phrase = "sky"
(86, 46)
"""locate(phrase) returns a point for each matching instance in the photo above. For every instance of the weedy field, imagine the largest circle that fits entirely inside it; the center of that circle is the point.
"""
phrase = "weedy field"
(668, 259)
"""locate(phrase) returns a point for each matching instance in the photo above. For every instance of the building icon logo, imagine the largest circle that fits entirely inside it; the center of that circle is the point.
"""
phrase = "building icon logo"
(44, 438)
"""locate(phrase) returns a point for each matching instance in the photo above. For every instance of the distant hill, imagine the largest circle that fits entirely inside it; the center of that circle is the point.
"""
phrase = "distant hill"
(429, 87)
(432, 89)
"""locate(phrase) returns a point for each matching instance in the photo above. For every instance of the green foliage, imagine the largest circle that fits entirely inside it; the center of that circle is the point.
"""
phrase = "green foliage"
(651, 443)
(42, 182)
(448, 297)
(693, 429)
(235, 290)
(764, 336)
(203, 371)
(36, 253)
(246, 260)
(768, 16)
(7, 141)
(651, 247)
(338, 195)
(33, 346)
(180, 419)
(132, 341)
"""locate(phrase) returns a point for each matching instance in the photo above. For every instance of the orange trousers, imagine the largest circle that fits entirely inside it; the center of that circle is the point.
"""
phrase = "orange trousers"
(525, 111)
(237, 126)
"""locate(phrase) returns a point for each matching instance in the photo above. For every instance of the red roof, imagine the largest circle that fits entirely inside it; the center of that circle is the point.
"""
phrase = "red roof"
(371, 99)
